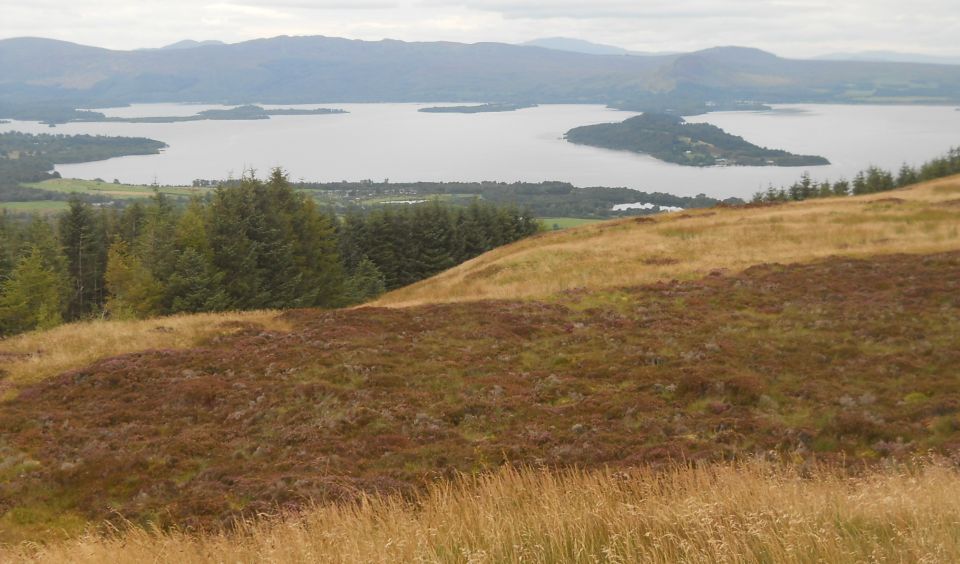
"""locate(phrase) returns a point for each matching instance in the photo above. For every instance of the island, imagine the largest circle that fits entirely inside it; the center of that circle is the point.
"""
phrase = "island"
(670, 138)
(481, 109)
(247, 112)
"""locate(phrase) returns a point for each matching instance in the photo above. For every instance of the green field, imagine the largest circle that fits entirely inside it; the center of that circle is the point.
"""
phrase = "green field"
(566, 222)
(38, 206)
(109, 189)
(415, 198)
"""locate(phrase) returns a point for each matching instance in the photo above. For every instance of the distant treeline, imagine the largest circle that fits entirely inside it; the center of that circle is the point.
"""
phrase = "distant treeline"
(25, 157)
(241, 113)
(868, 181)
(257, 244)
(480, 109)
(542, 199)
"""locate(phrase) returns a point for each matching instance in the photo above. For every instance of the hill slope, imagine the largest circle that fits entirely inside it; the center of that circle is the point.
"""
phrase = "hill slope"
(691, 244)
(846, 357)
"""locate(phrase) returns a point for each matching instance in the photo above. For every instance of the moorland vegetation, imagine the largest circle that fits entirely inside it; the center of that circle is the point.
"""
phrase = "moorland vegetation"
(658, 359)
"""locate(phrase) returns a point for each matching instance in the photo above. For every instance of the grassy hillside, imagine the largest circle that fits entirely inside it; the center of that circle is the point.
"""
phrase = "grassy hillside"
(819, 332)
(32, 357)
(692, 244)
(752, 513)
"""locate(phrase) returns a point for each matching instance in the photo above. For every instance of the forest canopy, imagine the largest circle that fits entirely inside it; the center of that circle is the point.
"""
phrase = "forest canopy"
(252, 245)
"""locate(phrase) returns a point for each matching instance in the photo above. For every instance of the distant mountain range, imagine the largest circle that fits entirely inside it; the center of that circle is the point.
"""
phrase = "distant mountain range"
(588, 47)
(582, 46)
(891, 57)
(190, 44)
(40, 76)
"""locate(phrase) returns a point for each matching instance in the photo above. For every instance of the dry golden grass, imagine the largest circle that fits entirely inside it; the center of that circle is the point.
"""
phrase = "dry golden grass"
(753, 512)
(33, 356)
(683, 245)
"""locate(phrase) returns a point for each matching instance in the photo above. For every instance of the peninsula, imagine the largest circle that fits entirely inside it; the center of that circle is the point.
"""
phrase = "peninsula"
(480, 109)
(247, 112)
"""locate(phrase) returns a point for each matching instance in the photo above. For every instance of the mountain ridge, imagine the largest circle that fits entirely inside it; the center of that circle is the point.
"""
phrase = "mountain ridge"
(35, 73)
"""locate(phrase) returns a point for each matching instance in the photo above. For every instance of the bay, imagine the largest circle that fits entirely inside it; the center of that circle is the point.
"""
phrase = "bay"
(396, 142)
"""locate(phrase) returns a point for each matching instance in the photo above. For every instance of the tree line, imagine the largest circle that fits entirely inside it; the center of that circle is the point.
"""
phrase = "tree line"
(542, 199)
(869, 181)
(252, 245)
(26, 157)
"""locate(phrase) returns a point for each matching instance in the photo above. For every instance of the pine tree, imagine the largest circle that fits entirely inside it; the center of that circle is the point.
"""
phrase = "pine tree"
(156, 243)
(30, 298)
(907, 176)
(40, 235)
(129, 226)
(841, 188)
(321, 280)
(133, 291)
(364, 283)
(82, 239)
(195, 286)
(476, 240)
(859, 184)
(233, 252)
(191, 229)
(283, 275)
(9, 244)
(435, 240)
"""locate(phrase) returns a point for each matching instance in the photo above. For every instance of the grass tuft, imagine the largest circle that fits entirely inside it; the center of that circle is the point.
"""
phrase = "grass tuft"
(751, 512)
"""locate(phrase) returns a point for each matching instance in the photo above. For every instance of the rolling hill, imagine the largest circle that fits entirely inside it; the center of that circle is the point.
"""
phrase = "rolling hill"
(823, 330)
(39, 75)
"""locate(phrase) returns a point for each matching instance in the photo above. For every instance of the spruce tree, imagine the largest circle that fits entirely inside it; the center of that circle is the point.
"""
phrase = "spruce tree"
(435, 241)
(233, 251)
(156, 243)
(907, 176)
(841, 188)
(133, 291)
(82, 239)
(365, 283)
(30, 298)
(195, 286)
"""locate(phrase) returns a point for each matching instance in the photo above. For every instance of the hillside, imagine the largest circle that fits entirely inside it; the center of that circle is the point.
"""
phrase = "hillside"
(691, 244)
(824, 330)
(757, 512)
(43, 79)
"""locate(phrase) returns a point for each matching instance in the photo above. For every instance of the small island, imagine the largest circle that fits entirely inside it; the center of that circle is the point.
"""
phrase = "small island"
(671, 139)
(481, 109)
(248, 112)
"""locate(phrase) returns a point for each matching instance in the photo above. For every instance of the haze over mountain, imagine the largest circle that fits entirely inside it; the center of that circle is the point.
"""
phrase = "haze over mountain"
(37, 72)
(190, 44)
(891, 57)
(583, 46)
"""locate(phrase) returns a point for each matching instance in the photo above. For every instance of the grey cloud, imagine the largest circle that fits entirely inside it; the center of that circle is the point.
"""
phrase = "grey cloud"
(323, 5)
(788, 27)
(678, 9)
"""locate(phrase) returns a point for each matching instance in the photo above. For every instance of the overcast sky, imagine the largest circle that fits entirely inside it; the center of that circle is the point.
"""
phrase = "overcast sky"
(795, 28)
